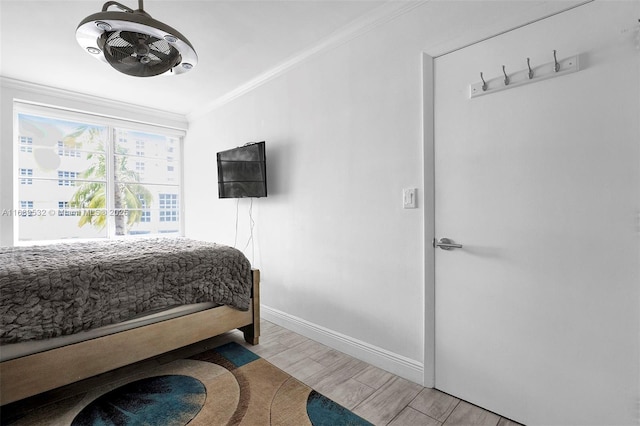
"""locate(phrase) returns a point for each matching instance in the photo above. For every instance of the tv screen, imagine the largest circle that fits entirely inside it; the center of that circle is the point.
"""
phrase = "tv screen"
(242, 171)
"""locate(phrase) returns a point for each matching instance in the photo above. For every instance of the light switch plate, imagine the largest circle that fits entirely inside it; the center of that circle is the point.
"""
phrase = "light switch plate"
(409, 198)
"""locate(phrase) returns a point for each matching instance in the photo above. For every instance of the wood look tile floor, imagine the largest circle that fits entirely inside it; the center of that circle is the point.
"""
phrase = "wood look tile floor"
(374, 394)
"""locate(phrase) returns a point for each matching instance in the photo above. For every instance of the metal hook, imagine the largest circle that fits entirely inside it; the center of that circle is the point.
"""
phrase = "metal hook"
(484, 83)
(506, 77)
(557, 65)
(530, 70)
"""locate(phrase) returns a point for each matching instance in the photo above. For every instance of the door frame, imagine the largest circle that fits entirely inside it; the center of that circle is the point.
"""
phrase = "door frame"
(428, 183)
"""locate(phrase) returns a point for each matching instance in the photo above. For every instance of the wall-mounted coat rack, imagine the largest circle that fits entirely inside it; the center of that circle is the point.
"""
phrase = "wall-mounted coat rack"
(531, 74)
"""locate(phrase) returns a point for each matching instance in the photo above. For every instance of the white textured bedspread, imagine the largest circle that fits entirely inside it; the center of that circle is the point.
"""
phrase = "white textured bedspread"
(60, 289)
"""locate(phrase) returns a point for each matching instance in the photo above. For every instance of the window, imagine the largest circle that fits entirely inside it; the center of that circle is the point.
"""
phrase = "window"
(26, 144)
(70, 178)
(66, 151)
(87, 193)
(145, 215)
(171, 169)
(23, 173)
(139, 147)
(26, 209)
(168, 207)
(64, 209)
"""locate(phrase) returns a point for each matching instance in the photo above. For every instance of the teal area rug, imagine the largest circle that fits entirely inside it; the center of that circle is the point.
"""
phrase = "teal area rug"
(228, 385)
(146, 401)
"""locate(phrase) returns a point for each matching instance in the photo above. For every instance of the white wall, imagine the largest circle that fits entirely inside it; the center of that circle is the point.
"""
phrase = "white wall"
(344, 130)
(344, 136)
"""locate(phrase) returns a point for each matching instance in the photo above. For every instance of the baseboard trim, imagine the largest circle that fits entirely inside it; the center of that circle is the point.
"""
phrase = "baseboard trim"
(397, 364)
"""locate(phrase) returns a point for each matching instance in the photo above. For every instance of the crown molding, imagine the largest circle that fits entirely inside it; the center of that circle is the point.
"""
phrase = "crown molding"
(497, 28)
(77, 101)
(375, 18)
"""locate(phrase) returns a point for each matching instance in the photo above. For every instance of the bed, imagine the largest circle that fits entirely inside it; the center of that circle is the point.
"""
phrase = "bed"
(51, 333)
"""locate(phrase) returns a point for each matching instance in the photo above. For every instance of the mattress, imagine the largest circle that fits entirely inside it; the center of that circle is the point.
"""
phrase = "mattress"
(67, 288)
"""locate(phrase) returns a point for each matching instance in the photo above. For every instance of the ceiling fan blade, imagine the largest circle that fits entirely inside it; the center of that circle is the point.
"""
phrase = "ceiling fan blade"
(162, 56)
(130, 37)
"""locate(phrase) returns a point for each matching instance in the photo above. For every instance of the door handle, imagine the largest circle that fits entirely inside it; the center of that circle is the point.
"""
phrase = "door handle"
(446, 244)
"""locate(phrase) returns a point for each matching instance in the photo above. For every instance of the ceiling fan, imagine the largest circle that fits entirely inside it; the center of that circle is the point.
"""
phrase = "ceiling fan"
(134, 43)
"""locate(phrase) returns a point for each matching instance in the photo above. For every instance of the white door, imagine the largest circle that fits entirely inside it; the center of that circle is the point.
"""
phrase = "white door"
(537, 316)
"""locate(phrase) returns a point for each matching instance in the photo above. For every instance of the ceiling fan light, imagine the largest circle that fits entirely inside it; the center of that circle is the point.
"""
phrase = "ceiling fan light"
(170, 38)
(103, 26)
(134, 43)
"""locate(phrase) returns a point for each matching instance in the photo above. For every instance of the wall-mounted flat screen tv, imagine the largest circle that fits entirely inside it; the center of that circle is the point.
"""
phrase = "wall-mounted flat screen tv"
(242, 171)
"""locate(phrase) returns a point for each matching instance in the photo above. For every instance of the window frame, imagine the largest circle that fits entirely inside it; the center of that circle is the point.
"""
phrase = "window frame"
(112, 123)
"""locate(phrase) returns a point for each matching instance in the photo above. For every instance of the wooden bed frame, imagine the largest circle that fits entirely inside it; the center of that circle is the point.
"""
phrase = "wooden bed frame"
(43, 371)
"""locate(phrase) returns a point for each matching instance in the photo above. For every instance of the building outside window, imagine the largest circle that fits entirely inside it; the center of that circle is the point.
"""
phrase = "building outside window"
(87, 193)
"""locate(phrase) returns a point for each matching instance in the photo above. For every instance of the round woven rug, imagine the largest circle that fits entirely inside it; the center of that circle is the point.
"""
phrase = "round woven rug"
(153, 400)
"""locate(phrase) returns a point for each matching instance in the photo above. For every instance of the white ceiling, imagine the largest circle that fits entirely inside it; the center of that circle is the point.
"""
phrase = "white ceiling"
(237, 41)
